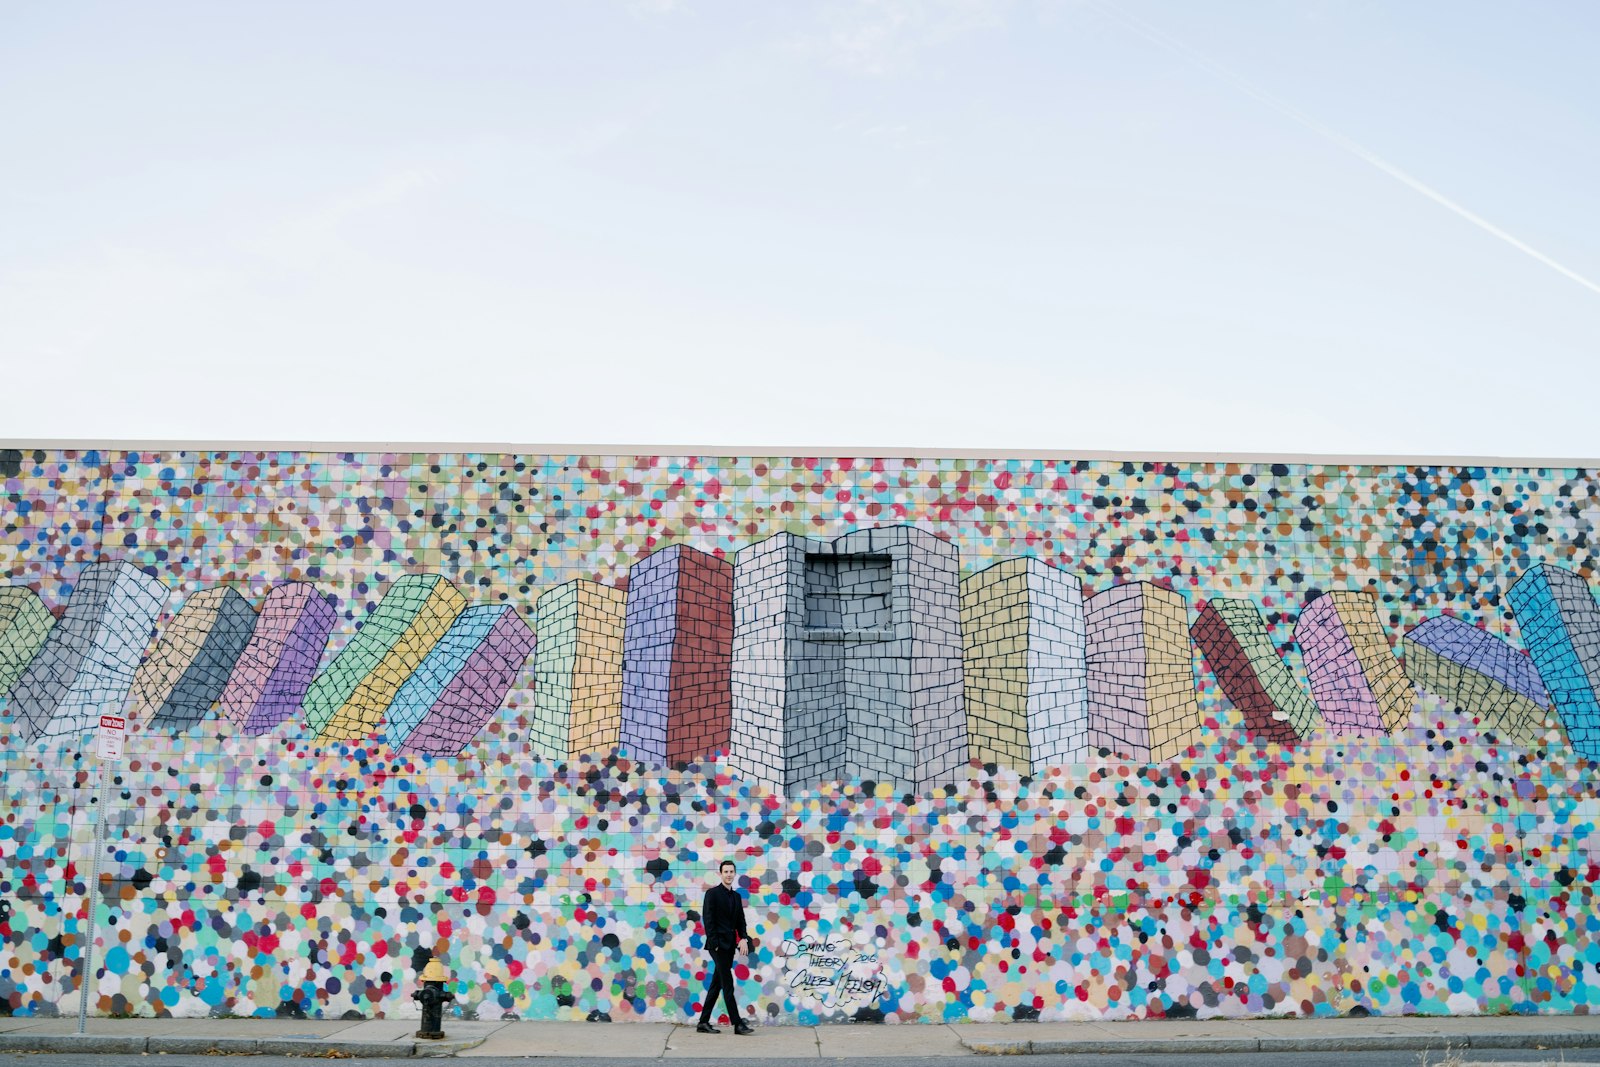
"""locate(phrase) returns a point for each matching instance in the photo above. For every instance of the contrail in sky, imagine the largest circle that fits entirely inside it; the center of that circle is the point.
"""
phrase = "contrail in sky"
(1149, 33)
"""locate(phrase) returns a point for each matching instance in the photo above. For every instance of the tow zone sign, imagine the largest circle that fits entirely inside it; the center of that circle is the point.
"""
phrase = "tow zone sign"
(113, 728)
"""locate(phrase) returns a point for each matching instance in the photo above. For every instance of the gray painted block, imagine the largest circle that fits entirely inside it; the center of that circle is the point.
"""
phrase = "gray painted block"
(847, 660)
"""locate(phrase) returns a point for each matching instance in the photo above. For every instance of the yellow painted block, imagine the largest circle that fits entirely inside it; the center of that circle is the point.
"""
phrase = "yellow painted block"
(1172, 705)
(597, 672)
(994, 622)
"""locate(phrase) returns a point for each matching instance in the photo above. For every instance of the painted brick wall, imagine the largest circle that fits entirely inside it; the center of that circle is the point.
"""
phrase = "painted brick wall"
(1021, 738)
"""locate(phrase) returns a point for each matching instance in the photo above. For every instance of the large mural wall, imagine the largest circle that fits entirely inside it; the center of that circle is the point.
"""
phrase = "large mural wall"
(989, 739)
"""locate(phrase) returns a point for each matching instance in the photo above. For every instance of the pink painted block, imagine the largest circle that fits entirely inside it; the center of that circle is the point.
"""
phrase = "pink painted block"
(1338, 683)
(271, 677)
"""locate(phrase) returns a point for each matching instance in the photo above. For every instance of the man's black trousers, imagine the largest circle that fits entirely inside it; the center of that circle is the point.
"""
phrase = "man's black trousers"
(722, 978)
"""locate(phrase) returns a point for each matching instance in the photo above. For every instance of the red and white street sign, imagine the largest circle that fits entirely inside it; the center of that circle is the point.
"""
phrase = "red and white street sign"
(112, 730)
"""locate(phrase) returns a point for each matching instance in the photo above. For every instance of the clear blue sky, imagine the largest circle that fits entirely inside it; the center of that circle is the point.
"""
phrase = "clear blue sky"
(937, 224)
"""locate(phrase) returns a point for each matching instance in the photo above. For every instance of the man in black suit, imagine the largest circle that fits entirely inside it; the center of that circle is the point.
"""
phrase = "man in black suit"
(723, 915)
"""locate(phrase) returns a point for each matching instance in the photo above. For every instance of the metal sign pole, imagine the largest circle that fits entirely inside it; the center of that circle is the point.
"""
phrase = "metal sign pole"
(86, 957)
(109, 751)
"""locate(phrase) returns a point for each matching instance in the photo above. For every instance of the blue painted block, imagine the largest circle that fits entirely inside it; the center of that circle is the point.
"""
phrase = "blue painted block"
(1560, 623)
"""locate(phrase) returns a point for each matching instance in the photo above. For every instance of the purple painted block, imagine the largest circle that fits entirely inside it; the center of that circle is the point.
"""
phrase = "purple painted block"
(677, 658)
(275, 670)
(477, 690)
(648, 633)
(1460, 642)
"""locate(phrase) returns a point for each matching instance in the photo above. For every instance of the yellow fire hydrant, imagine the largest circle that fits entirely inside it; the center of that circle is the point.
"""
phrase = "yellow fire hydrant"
(433, 998)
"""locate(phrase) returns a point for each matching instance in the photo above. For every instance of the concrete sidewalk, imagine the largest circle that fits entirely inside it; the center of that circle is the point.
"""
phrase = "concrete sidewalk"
(395, 1037)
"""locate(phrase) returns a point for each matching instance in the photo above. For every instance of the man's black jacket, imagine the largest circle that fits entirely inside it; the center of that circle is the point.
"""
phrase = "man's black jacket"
(724, 918)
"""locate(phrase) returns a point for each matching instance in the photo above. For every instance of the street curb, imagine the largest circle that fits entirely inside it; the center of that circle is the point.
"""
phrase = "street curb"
(1101, 1046)
(200, 1046)
(426, 1049)
(307, 1047)
(1358, 1043)
(302, 1046)
(72, 1043)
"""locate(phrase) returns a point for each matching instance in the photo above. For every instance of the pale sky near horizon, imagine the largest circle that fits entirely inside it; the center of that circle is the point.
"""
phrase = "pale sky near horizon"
(897, 224)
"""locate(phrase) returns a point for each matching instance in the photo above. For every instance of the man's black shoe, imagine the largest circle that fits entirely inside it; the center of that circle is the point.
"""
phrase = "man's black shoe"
(744, 1029)
(706, 1028)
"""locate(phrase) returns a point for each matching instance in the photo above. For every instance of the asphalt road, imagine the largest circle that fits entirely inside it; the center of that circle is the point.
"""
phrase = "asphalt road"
(1230, 1059)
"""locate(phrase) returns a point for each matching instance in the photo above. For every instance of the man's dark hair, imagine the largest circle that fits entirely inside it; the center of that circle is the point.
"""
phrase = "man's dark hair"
(726, 863)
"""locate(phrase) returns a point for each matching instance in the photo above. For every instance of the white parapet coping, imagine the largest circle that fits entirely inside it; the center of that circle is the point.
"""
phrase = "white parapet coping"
(806, 450)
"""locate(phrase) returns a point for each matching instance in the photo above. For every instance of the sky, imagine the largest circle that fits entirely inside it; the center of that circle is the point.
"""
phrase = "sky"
(1155, 226)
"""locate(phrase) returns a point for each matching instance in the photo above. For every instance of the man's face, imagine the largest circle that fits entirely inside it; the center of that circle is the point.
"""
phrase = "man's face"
(727, 875)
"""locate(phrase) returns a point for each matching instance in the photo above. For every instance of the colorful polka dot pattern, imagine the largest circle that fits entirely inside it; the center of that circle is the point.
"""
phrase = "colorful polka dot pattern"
(1442, 868)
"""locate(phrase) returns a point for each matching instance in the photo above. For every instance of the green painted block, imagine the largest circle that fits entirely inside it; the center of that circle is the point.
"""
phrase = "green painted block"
(555, 658)
(1250, 630)
(377, 636)
(24, 624)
